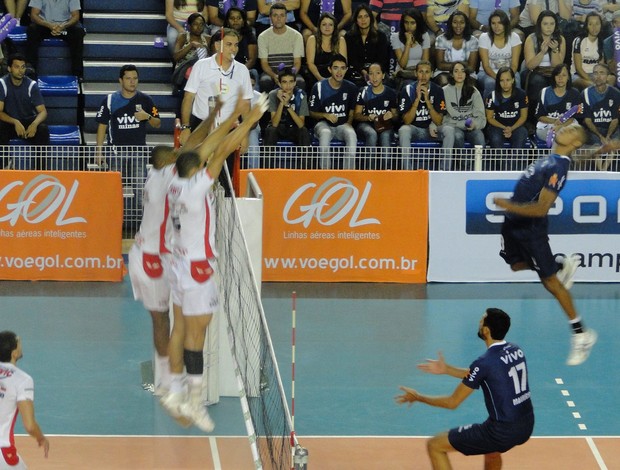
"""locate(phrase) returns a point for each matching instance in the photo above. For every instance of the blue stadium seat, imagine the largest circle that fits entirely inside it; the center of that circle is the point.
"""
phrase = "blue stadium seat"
(65, 135)
(58, 85)
(539, 143)
(60, 94)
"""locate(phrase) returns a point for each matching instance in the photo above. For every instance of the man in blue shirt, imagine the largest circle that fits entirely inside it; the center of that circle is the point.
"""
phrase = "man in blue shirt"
(22, 110)
(56, 19)
(601, 107)
(501, 372)
(525, 239)
(332, 105)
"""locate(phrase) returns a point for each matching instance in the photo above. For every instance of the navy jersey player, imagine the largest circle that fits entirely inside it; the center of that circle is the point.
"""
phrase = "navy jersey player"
(525, 240)
(501, 372)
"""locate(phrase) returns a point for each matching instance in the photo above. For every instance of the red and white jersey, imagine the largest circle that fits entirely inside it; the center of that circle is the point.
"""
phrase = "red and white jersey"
(191, 207)
(153, 202)
(15, 385)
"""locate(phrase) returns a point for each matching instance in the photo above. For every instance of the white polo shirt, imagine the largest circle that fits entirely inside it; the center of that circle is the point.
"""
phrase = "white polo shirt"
(206, 80)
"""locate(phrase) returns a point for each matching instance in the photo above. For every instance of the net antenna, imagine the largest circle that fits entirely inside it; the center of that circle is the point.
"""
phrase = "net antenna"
(263, 400)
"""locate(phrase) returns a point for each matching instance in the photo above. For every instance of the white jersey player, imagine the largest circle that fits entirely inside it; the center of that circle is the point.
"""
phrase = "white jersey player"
(16, 396)
(194, 291)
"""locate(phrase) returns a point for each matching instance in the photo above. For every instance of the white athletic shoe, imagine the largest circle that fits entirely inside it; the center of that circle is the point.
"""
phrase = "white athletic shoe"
(199, 416)
(581, 346)
(172, 402)
(569, 266)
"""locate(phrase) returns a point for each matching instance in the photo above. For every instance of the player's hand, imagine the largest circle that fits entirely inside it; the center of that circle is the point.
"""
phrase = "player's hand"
(500, 202)
(434, 366)
(141, 115)
(46, 446)
(185, 133)
(609, 146)
(258, 109)
(387, 116)
(410, 396)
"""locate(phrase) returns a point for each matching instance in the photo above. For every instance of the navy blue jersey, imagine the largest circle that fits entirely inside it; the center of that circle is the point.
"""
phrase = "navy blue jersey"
(117, 112)
(341, 101)
(507, 111)
(378, 104)
(548, 172)
(553, 106)
(20, 102)
(422, 117)
(502, 373)
(601, 108)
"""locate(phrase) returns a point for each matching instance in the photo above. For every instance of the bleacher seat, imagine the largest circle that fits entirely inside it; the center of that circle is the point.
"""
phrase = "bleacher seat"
(65, 135)
(60, 93)
(539, 143)
(54, 53)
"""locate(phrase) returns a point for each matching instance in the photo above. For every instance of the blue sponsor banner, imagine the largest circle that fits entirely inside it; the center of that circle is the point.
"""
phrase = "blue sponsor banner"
(583, 206)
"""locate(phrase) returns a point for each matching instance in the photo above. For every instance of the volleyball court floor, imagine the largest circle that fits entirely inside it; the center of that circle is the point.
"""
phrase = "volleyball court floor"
(84, 344)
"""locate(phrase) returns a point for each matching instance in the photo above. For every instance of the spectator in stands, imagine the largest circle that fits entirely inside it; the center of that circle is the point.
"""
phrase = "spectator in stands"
(458, 44)
(248, 50)
(191, 46)
(311, 12)
(16, 8)
(177, 13)
(365, 45)
(421, 106)
(332, 104)
(122, 119)
(277, 45)
(554, 101)
(439, 13)
(601, 108)
(320, 46)
(533, 8)
(609, 8)
(218, 11)
(499, 47)
(288, 106)
(506, 113)
(410, 44)
(59, 19)
(481, 10)
(587, 52)
(264, 14)
(22, 110)
(388, 13)
(465, 116)
(375, 113)
(608, 44)
(544, 49)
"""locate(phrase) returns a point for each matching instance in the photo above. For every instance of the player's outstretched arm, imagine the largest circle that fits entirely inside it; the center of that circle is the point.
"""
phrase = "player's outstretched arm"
(439, 367)
(234, 139)
(410, 396)
(26, 410)
(204, 128)
(220, 134)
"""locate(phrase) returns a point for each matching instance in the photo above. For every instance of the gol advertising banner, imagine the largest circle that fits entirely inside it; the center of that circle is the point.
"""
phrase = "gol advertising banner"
(61, 225)
(324, 226)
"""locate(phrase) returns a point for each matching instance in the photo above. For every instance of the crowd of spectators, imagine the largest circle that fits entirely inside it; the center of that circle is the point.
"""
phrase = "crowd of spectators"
(492, 74)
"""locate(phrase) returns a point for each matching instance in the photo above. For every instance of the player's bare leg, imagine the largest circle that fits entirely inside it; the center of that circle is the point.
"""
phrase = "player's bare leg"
(438, 448)
(161, 365)
(195, 334)
(493, 461)
(173, 399)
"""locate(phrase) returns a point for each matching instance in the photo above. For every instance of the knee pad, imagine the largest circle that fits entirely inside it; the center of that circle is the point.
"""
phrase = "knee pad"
(194, 362)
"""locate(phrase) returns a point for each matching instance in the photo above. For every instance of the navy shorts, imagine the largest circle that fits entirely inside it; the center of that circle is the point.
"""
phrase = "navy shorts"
(529, 245)
(491, 436)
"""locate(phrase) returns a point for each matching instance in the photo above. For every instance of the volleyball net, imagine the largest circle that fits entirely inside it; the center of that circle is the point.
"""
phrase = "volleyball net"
(263, 400)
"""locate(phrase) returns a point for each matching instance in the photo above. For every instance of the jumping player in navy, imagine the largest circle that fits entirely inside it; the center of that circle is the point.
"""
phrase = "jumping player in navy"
(501, 372)
(525, 240)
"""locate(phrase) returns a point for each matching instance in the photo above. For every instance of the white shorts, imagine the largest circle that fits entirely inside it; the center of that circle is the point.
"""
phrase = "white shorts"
(193, 286)
(149, 280)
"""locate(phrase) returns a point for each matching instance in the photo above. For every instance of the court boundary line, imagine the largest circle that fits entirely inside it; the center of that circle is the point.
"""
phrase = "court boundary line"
(303, 436)
(595, 452)
(215, 454)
